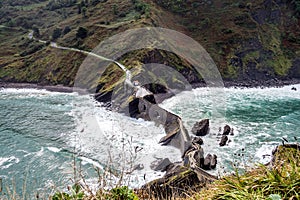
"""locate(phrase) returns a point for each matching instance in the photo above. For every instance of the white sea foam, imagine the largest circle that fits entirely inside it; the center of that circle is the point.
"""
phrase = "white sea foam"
(54, 149)
(6, 162)
(101, 134)
(264, 153)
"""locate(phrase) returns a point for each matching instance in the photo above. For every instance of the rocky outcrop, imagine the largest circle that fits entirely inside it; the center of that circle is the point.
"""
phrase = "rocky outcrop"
(283, 153)
(180, 176)
(178, 182)
(224, 140)
(147, 109)
(226, 130)
(197, 140)
(210, 162)
(161, 165)
(201, 128)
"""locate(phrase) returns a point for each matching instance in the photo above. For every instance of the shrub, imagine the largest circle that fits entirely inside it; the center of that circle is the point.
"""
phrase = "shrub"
(36, 31)
(81, 33)
(76, 193)
(66, 30)
(56, 33)
(122, 14)
(142, 7)
(115, 9)
(84, 10)
(121, 193)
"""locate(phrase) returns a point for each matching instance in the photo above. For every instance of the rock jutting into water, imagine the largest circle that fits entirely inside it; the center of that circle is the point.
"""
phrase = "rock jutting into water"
(189, 172)
(226, 130)
(224, 140)
(201, 128)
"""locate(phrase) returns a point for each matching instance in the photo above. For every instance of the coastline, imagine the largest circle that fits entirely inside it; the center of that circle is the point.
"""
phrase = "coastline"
(227, 84)
(50, 88)
(254, 83)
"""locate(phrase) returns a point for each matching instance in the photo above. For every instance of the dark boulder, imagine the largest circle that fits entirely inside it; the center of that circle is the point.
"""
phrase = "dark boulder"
(197, 140)
(226, 130)
(213, 162)
(161, 165)
(134, 107)
(223, 141)
(210, 162)
(103, 97)
(201, 128)
(207, 161)
(179, 181)
(194, 156)
(293, 88)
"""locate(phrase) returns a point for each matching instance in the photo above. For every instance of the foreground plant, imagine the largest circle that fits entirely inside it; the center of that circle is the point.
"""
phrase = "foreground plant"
(76, 193)
(278, 180)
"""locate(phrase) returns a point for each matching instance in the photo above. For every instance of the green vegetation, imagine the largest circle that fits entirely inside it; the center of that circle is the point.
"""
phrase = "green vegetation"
(56, 33)
(121, 193)
(279, 181)
(76, 193)
(82, 32)
(246, 39)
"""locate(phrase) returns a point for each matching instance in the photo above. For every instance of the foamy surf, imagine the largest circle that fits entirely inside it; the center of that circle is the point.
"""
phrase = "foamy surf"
(46, 130)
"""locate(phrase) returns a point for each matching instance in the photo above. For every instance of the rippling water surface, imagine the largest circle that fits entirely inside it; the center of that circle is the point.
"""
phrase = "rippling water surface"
(40, 131)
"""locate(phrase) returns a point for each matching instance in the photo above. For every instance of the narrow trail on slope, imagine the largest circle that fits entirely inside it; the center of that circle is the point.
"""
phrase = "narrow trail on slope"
(55, 45)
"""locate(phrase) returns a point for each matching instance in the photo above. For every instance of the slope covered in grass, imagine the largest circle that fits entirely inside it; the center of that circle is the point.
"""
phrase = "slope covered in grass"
(248, 40)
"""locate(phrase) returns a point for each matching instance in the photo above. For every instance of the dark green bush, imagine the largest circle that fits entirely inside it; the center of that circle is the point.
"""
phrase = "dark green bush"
(81, 33)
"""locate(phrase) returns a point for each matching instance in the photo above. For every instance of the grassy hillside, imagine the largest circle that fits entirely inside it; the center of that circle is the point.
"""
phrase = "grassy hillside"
(247, 40)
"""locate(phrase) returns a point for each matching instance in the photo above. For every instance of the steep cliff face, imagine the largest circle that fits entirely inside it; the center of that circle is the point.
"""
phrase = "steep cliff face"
(248, 40)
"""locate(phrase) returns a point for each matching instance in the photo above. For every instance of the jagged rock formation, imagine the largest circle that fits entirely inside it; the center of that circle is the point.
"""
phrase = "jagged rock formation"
(176, 134)
(226, 130)
(201, 128)
(224, 140)
(177, 180)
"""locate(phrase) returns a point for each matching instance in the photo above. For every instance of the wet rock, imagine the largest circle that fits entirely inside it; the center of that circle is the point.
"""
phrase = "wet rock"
(210, 162)
(207, 161)
(201, 128)
(177, 180)
(138, 167)
(103, 97)
(134, 108)
(213, 162)
(293, 88)
(223, 141)
(176, 134)
(162, 165)
(226, 130)
(194, 156)
(231, 132)
(197, 140)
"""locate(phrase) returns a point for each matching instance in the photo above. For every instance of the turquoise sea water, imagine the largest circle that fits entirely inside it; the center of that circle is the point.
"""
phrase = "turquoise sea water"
(40, 131)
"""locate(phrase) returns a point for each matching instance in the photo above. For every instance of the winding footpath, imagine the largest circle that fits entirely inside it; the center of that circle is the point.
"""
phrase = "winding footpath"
(55, 45)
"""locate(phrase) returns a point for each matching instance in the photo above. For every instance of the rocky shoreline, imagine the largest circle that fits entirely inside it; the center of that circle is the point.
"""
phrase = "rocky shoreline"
(227, 84)
(51, 88)
(254, 83)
